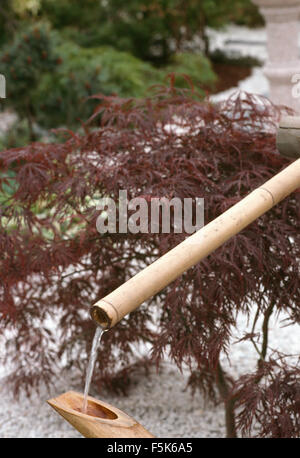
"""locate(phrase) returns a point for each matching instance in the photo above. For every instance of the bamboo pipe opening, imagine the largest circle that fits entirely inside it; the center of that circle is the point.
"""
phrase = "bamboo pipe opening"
(100, 316)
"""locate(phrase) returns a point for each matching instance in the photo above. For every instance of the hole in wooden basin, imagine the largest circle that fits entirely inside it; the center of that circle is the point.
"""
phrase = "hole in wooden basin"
(93, 409)
(96, 410)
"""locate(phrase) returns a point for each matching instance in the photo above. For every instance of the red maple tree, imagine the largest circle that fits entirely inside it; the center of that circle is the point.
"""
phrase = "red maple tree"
(55, 264)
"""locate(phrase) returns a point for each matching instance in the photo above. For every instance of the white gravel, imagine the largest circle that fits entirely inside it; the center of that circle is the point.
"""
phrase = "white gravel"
(159, 402)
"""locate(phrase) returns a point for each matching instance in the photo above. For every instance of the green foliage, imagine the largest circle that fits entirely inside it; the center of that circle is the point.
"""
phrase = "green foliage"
(51, 89)
(151, 30)
(196, 66)
(246, 13)
(6, 21)
(9, 186)
(23, 62)
(218, 13)
(22, 7)
(100, 47)
(64, 13)
(60, 98)
(16, 136)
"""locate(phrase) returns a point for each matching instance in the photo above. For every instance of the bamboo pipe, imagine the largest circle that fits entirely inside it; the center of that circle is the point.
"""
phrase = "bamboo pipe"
(101, 420)
(113, 307)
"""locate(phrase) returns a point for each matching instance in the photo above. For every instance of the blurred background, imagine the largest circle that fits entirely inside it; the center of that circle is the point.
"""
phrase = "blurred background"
(55, 54)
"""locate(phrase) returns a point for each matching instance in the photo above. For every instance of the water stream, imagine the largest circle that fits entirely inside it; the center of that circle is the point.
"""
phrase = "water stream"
(90, 369)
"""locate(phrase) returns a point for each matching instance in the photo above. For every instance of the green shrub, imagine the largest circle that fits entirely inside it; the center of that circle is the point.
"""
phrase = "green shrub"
(152, 30)
(49, 79)
(23, 62)
(16, 136)
(196, 66)
(57, 98)
(60, 98)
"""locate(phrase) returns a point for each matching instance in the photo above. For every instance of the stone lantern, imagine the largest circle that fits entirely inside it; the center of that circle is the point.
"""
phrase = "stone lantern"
(283, 66)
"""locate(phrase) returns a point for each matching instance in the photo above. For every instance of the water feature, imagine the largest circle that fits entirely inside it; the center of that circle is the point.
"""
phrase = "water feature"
(90, 369)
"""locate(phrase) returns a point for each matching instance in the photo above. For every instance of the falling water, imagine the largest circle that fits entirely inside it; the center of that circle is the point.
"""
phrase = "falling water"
(90, 369)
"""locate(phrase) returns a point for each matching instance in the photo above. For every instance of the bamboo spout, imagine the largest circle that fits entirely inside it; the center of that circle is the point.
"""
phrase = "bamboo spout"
(113, 307)
(101, 420)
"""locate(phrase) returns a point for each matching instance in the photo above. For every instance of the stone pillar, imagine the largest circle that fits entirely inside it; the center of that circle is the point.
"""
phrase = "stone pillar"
(283, 66)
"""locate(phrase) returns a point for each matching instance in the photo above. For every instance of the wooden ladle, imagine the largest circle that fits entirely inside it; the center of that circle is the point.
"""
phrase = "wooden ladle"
(100, 420)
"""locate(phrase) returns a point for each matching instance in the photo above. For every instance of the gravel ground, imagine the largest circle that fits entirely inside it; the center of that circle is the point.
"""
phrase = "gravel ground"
(159, 402)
